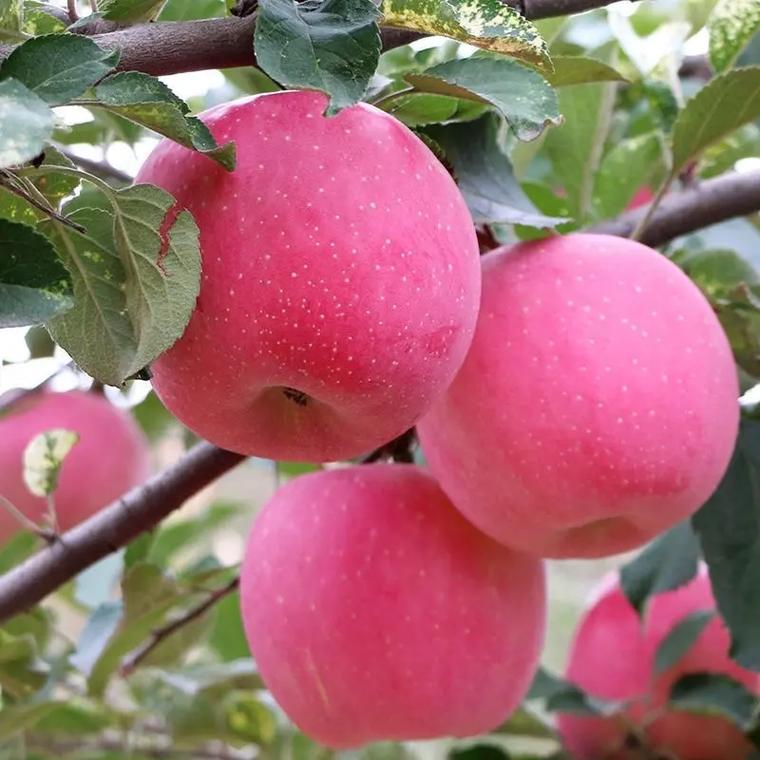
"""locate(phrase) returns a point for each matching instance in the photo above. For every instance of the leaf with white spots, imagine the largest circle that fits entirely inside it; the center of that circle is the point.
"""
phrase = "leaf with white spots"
(484, 174)
(26, 123)
(43, 458)
(34, 284)
(11, 19)
(58, 67)
(328, 45)
(723, 105)
(522, 95)
(146, 100)
(488, 24)
(732, 24)
(136, 276)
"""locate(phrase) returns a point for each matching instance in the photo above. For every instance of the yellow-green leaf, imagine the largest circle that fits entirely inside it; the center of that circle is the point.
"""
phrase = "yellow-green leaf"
(43, 458)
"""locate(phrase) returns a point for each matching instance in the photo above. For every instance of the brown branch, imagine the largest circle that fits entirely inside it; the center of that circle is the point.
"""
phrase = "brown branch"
(135, 658)
(709, 202)
(100, 169)
(113, 527)
(173, 47)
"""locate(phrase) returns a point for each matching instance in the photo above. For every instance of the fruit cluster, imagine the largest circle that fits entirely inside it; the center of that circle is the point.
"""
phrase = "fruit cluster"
(584, 402)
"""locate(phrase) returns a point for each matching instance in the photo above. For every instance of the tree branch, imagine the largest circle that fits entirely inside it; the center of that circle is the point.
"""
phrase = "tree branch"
(709, 202)
(115, 526)
(100, 169)
(133, 660)
(174, 47)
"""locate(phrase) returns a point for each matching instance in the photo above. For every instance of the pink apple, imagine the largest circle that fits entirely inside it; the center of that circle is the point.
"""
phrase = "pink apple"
(110, 457)
(612, 658)
(598, 403)
(340, 280)
(375, 611)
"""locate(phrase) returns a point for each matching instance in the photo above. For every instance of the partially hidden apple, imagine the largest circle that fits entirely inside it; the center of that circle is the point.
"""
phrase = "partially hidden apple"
(612, 657)
(340, 280)
(598, 403)
(374, 610)
(110, 457)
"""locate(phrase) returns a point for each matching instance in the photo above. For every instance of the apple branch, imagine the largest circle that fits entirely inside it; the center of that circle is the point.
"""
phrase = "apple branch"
(111, 528)
(708, 202)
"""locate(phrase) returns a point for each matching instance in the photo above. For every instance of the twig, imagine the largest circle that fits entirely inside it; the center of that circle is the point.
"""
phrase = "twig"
(651, 209)
(111, 528)
(72, 6)
(712, 201)
(15, 187)
(94, 6)
(133, 660)
(101, 169)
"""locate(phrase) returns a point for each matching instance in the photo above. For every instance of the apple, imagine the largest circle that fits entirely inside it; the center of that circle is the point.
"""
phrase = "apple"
(110, 457)
(374, 610)
(612, 657)
(598, 403)
(640, 198)
(340, 284)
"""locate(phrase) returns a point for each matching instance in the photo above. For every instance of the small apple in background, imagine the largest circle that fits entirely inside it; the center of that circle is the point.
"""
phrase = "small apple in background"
(374, 610)
(597, 405)
(612, 657)
(340, 285)
(110, 457)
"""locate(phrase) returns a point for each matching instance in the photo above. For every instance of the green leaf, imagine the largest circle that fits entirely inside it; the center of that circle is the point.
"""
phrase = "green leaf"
(17, 718)
(418, 109)
(11, 18)
(227, 636)
(479, 752)
(58, 67)
(714, 694)
(724, 104)
(563, 696)
(34, 284)
(135, 283)
(670, 561)
(146, 100)
(26, 123)
(575, 69)
(95, 636)
(728, 526)
(575, 148)
(630, 164)
(526, 722)
(522, 95)
(43, 458)
(181, 10)
(248, 718)
(488, 24)
(130, 10)
(732, 24)
(153, 417)
(74, 718)
(680, 639)
(328, 45)
(14, 551)
(484, 174)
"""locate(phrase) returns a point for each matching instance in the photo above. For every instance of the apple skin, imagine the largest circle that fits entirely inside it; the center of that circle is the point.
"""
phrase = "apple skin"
(341, 280)
(374, 610)
(597, 406)
(612, 657)
(110, 457)
(641, 197)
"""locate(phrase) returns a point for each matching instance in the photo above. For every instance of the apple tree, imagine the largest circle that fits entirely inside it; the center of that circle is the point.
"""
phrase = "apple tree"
(312, 378)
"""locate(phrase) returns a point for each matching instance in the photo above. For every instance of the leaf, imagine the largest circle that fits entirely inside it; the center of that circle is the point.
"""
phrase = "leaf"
(146, 100)
(724, 104)
(94, 585)
(670, 561)
(522, 95)
(575, 69)
(575, 148)
(14, 551)
(328, 45)
(629, 165)
(227, 636)
(17, 718)
(419, 109)
(680, 639)
(563, 696)
(43, 458)
(714, 694)
(95, 635)
(732, 24)
(74, 718)
(58, 67)
(488, 24)
(26, 123)
(728, 526)
(526, 722)
(12, 17)
(484, 174)
(135, 283)
(479, 752)
(34, 284)
(130, 10)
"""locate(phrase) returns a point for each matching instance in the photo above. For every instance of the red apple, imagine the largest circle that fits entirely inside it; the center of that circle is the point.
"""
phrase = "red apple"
(110, 457)
(640, 198)
(375, 611)
(340, 280)
(612, 658)
(598, 403)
